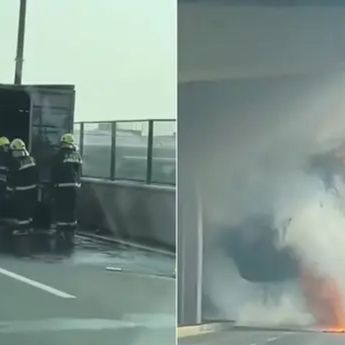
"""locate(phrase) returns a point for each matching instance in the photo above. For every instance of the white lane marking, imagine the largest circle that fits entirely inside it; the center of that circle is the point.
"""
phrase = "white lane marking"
(252, 344)
(36, 284)
(269, 340)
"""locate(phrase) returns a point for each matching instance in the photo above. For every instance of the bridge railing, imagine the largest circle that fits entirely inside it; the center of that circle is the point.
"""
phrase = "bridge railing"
(143, 151)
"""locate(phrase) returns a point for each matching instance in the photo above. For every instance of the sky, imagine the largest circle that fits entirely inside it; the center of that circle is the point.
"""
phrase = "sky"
(120, 55)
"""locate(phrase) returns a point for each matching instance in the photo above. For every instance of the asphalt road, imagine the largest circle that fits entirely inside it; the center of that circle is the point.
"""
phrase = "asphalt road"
(244, 337)
(60, 299)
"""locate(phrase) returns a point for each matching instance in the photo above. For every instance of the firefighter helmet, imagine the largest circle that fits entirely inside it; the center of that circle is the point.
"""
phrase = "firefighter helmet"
(4, 141)
(67, 140)
(17, 145)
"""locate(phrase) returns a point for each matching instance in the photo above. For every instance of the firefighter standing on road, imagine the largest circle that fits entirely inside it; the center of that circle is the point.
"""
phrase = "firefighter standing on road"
(66, 176)
(22, 183)
(4, 168)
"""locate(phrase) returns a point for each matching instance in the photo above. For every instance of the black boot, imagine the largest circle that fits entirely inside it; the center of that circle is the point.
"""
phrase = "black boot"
(64, 240)
(21, 242)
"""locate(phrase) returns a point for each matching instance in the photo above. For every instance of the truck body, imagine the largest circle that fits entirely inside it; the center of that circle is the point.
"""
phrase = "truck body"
(39, 115)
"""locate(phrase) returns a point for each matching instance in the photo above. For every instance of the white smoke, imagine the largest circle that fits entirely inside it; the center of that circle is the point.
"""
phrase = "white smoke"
(262, 168)
(317, 231)
(258, 304)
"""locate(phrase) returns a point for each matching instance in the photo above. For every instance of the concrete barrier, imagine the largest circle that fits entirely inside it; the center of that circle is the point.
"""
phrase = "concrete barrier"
(142, 213)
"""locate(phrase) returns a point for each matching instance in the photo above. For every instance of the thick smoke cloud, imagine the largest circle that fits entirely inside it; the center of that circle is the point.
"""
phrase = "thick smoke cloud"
(252, 148)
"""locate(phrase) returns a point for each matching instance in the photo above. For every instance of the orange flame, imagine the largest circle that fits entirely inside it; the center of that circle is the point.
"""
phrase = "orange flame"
(324, 300)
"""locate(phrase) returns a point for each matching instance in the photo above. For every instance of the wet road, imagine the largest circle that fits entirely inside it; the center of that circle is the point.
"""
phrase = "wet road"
(74, 299)
(241, 337)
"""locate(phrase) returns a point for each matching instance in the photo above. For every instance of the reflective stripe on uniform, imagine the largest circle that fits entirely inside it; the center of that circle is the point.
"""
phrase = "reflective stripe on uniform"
(3, 167)
(66, 223)
(69, 184)
(26, 187)
(3, 178)
(22, 187)
(24, 221)
(72, 160)
(28, 165)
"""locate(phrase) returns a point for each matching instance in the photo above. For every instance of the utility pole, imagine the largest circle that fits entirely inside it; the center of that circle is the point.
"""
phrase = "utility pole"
(20, 43)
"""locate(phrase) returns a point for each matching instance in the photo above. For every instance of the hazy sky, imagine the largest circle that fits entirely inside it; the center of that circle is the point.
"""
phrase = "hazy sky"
(120, 54)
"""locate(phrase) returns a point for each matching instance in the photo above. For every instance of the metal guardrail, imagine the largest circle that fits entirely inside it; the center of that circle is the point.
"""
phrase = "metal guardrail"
(131, 150)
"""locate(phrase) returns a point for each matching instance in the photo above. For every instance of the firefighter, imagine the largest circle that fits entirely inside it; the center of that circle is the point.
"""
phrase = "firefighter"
(4, 168)
(22, 183)
(66, 174)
